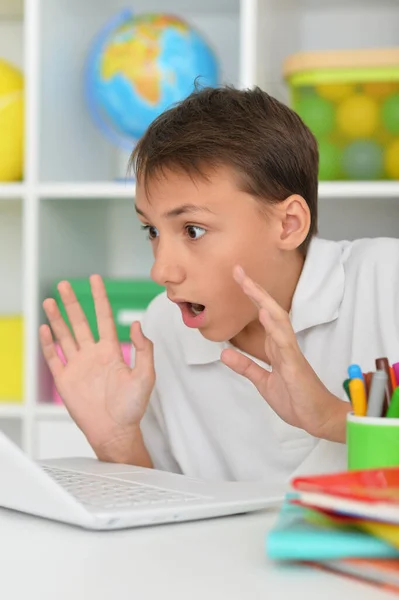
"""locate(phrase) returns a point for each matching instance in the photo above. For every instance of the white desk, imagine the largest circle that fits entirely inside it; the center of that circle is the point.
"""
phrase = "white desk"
(221, 559)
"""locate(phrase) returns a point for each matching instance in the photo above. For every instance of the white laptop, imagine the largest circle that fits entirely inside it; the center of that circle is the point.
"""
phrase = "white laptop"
(98, 495)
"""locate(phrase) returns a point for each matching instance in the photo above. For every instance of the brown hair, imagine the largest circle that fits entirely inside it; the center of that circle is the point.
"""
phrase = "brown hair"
(265, 142)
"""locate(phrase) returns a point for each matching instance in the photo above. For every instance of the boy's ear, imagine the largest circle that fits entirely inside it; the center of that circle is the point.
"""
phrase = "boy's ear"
(294, 218)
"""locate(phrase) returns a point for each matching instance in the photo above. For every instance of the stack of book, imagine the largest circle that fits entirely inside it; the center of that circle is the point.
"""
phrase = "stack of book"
(346, 522)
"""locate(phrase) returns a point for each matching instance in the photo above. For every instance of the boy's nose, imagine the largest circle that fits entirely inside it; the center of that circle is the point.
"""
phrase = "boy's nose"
(164, 272)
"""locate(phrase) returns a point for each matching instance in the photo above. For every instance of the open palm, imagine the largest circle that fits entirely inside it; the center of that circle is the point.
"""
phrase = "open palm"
(104, 396)
(291, 388)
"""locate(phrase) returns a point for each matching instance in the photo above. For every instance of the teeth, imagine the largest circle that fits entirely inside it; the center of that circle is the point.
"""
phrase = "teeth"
(197, 308)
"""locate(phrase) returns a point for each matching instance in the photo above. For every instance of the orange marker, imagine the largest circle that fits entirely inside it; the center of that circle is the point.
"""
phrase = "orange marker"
(393, 378)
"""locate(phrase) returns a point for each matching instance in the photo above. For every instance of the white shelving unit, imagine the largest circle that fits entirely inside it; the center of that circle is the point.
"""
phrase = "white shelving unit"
(70, 217)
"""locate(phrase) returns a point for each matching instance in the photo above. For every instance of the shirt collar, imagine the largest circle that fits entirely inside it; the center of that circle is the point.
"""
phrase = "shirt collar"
(317, 299)
(320, 288)
(197, 350)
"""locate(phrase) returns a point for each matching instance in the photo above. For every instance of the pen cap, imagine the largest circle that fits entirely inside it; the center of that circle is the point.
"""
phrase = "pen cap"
(355, 372)
(376, 399)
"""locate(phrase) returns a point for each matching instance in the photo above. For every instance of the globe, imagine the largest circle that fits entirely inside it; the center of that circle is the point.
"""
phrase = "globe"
(141, 65)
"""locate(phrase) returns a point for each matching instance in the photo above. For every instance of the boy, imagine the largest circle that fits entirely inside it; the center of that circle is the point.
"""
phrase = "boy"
(260, 318)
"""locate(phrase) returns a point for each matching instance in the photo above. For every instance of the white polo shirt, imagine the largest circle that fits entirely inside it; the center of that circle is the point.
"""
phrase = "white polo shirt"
(206, 421)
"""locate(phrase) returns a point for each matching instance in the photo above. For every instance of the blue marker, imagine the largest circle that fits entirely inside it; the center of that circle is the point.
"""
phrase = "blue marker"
(355, 372)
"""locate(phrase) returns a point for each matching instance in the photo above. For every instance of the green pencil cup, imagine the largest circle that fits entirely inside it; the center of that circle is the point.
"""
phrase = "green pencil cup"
(372, 442)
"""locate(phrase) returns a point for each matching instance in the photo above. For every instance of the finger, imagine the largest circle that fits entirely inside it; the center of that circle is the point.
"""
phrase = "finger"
(49, 351)
(280, 332)
(144, 351)
(60, 328)
(77, 318)
(273, 317)
(258, 295)
(105, 318)
(246, 367)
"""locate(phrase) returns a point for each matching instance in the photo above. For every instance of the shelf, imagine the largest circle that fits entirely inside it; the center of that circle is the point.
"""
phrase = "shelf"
(11, 410)
(322, 4)
(95, 191)
(12, 190)
(359, 189)
(194, 6)
(72, 216)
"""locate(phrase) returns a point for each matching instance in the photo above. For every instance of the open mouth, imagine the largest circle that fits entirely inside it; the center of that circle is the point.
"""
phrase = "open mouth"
(193, 313)
(196, 309)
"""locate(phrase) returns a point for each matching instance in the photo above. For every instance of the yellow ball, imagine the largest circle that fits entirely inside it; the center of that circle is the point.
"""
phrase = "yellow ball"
(335, 91)
(357, 116)
(11, 123)
(392, 159)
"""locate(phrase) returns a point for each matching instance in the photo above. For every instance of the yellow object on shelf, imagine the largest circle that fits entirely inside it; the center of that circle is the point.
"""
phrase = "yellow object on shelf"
(350, 101)
(11, 358)
(11, 122)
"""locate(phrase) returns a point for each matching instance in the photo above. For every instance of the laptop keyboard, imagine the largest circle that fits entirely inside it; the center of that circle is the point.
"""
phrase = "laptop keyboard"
(106, 493)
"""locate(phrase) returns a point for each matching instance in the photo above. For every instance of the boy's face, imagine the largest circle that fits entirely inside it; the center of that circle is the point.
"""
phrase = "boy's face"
(199, 230)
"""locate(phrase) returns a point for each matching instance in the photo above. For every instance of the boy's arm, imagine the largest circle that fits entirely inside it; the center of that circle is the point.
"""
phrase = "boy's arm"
(126, 448)
(292, 388)
(146, 446)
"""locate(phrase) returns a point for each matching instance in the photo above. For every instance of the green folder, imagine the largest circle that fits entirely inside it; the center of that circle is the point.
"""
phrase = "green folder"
(129, 298)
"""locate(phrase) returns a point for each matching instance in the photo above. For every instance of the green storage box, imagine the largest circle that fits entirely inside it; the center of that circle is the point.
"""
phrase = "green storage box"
(129, 298)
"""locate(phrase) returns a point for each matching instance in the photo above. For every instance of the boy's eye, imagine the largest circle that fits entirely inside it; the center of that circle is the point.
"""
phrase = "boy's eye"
(152, 232)
(194, 232)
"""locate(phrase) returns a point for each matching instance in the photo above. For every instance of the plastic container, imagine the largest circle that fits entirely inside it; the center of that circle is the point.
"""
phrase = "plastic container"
(126, 348)
(372, 442)
(350, 101)
(11, 358)
(128, 299)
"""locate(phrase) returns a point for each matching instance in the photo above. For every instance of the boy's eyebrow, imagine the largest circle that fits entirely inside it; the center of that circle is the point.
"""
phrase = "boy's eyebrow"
(179, 210)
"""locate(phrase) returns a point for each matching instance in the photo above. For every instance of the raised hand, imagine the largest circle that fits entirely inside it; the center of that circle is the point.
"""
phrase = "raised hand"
(292, 388)
(105, 397)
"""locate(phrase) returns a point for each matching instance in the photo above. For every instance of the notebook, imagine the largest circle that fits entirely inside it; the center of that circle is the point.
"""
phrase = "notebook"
(383, 573)
(295, 536)
(385, 531)
(372, 494)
